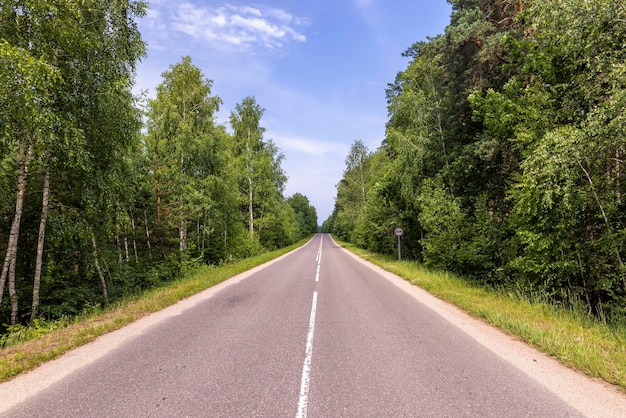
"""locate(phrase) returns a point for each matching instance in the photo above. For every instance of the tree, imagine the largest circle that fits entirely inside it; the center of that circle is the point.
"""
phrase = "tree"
(248, 136)
(258, 165)
(568, 199)
(306, 215)
(418, 144)
(351, 190)
(26, 121)
(378, 218)
(181, 145)
(93, 51)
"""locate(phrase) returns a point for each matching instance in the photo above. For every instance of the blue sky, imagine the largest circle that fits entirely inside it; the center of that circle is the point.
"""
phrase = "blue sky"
(318, 67)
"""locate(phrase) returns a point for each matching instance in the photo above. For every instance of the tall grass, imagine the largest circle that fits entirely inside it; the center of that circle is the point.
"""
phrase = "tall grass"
(574, 337)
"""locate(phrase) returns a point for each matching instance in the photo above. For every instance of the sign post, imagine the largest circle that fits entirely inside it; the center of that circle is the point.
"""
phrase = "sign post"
(399, 232)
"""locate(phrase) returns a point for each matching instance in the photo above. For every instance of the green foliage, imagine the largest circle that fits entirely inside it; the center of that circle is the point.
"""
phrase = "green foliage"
(351, 191)
(378, 217)
(478, 249)
(305, 215)
(26, 94)
(504, 152)
(35, 329)
(183, 150)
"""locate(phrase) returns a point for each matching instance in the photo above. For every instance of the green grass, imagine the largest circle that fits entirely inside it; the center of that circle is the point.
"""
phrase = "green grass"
(574, 338)
(28, 347)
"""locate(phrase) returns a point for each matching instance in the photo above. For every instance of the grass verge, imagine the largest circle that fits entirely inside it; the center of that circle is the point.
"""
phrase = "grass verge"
(575, 339)
(31, 349)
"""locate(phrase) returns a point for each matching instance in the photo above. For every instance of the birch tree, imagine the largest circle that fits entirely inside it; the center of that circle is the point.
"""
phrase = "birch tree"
(248, 142)
(26, 121)
(181, 147)
(261, 177)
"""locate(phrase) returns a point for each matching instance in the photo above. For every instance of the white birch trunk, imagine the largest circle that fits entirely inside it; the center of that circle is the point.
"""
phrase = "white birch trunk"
(8, 268)
(250, 170)
(145, 216)
(96, 264)
(126, 249)
(132, 222)
(41, 239)
(182, 236)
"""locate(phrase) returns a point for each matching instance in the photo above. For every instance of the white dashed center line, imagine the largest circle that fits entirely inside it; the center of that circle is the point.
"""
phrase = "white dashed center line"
(306, 368)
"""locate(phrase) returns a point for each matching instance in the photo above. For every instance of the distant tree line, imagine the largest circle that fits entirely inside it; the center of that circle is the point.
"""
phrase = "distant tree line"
(504, 154)
(98, 204)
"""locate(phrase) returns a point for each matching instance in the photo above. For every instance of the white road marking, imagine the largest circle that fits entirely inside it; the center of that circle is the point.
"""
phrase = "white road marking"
(319, 257)
(306, 368)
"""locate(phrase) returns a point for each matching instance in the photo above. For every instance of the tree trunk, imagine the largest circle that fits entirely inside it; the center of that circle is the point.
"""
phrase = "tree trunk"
(604, 216)
(145, 217)
(198, 236)
(126, 249)
(249, 169)
(158, 219)
(182, 236)
(8, 268)
(103, 283)
(118, 245)
(618, 176)
(41, 239)
(225, 231)
(251, 220)
(108, 270)
(132, 223)
(206, 233)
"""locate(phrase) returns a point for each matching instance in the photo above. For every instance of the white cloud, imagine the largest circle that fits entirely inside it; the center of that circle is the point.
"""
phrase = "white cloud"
(250, 10)
(154, 21)
(257, 25)
(229, 25)
(281, 15)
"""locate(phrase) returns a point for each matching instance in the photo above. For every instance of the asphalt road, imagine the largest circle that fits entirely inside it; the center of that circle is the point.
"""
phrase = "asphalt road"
(315, 333)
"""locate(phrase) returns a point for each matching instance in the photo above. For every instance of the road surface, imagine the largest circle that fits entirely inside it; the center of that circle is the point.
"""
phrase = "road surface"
(316, 333)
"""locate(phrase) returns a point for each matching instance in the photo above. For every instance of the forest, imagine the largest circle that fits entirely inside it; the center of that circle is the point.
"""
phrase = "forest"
(107, 195)
(503, 154)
